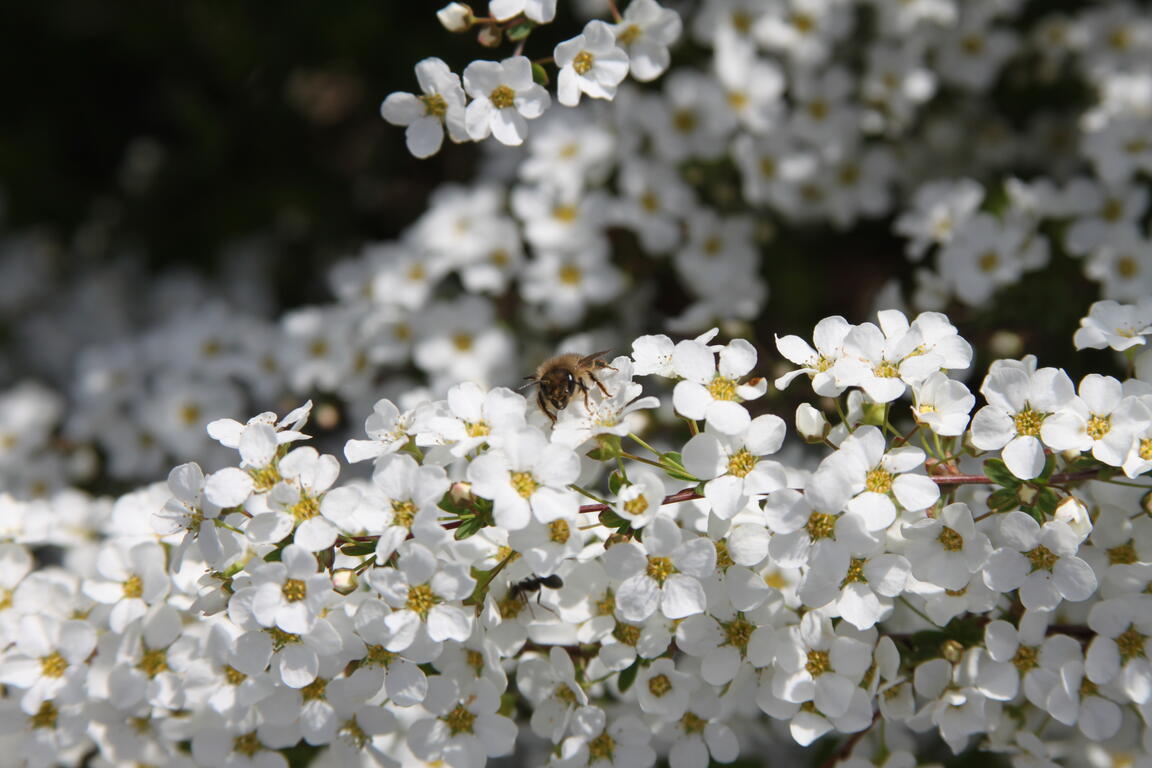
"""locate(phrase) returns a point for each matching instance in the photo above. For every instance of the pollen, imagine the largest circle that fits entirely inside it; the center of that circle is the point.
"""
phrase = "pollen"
(570, 275)
(315, 690)
(1126, 267)
(1099, 426)
(603, 747)
(462, 341)
(606, 605)
(1145, 449)
(524, 484)
(1026, 658)
(583, 62)
(153, 662)
(459, 720)
(133, 587)
(420, 600)
(628, 35)
(803, 23)
(1125, 554)
(477, 428)
(768, 167)
(233, 676)
(818, 663)
(879, 480)
(559, 531)
(636, 506)
(475, 661)
(565, 212)
(741, 463)
(988, 261)
(685, 120)
(53, 665)
(1028, 422)
(724, 559)
(659, 685)
(855, 573)
(1042, 558)
(650, 201)
(660, 568)
(1130, 644)
(738, 632)
(190, 414)
(403, 513)
(627, 634)
(247, 744)
(950, 539)
(434, 105)
(820, 525)
(45, 716)
(886, 369)
(693, 723)
(306, 508)
(722, 388)
(294, 590)
(502, 97)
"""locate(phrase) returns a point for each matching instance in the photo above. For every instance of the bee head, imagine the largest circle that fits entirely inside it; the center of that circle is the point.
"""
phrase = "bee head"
(558, 386)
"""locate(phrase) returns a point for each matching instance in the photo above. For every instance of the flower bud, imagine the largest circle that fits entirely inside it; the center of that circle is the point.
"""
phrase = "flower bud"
(344, 581)
(1073, 512)
(810, 423)
(490, 36)
(456, 17)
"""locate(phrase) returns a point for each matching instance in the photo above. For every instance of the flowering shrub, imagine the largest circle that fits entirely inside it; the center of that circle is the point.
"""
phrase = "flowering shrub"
(657, 565)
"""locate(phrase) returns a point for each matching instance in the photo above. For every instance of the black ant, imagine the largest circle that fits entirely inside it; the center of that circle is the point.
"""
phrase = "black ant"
(521, 589)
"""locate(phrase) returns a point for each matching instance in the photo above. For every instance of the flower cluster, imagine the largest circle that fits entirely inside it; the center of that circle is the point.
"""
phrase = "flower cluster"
(501, 578)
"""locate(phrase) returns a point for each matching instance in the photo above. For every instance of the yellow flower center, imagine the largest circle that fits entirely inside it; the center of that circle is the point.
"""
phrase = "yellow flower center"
(660, 568)
(855, 572)
(477, 428)
(1125, 554)
(627, 634)
(524, 483)
(583, 62)
(153, 662)
(133, 586)
(570, 274)
(820, 525)
(818, 663)
(738, 632)
(315, 690)
(950, 539)
(403, 513)
(722, 388)
(1028, 422)
(628, 35)
(879, 480)
(1026, 658)
(684, 120)
(459, 720)
(1099, 426)
(420, 600)
(434, 105)
(637, 506)
(659, 685)
(741, 463)
(234, 676)
(306, 508)
(53, 665)
(462, 341)
(502, 97)
(559, 531)
(1130, 643)
(294, 590)
(247, 744)
(603, 747)
(1042, 558)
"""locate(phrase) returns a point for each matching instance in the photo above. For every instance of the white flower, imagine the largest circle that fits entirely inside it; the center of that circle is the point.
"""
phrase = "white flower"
(662, 572)
(817, 663)
(600, 742)
(290, 594)
(1122, 647)
(465, 729)
(639, 501)
(947, 549)
(942, 208)
(664, 691)
(732, 463)
(550, 684)
(403, 503)
(441, 104)
(1040, 561)
(387, 427)
(504, 96)
(589, 63)
(527, 477)
(136, 577)
(645, 32)
(943, 404)
(1100, 419)
(1019, 399)
(540, 11)
(423, 589)
(49, 661)
(712, 392)
(1118, 326)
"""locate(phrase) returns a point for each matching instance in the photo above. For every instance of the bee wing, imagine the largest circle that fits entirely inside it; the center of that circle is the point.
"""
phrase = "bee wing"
(594, 358)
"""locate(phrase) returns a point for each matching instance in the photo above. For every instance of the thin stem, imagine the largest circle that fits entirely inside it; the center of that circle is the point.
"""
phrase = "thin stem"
(643, 444)
(589, 494)
(642, 460)
(614, 11)
(685, 495)
(916, 610)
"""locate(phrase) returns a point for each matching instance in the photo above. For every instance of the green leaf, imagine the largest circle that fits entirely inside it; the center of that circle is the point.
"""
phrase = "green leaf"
(1003, 500)
(1046, 501)
(1049, 468)
(520, 31)
(673, 464)
(356, 548)
(998, 472)
(628, 676)
(468, 527)
(539, 74)
(610, 519)
(615, 483)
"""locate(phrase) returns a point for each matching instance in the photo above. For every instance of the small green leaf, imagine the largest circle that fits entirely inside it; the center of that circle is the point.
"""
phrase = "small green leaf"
(520, 31)
(999, 473)
(468, 527)
(539, 74)
(1003, 500)
(615, 483)
(1046, 501)
(673, 465)
(628, 676)
(357, 548)
(610, 519)
(1049, 468)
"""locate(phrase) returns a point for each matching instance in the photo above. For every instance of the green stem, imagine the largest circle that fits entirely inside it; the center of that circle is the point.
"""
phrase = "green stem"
(643, 444)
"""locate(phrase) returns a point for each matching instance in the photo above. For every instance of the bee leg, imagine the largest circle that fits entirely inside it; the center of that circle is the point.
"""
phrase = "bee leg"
(543, 403)
(599, 384)
(584, 391)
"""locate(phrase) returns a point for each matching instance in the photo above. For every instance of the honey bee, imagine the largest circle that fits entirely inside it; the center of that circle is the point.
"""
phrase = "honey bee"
(559, 377)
